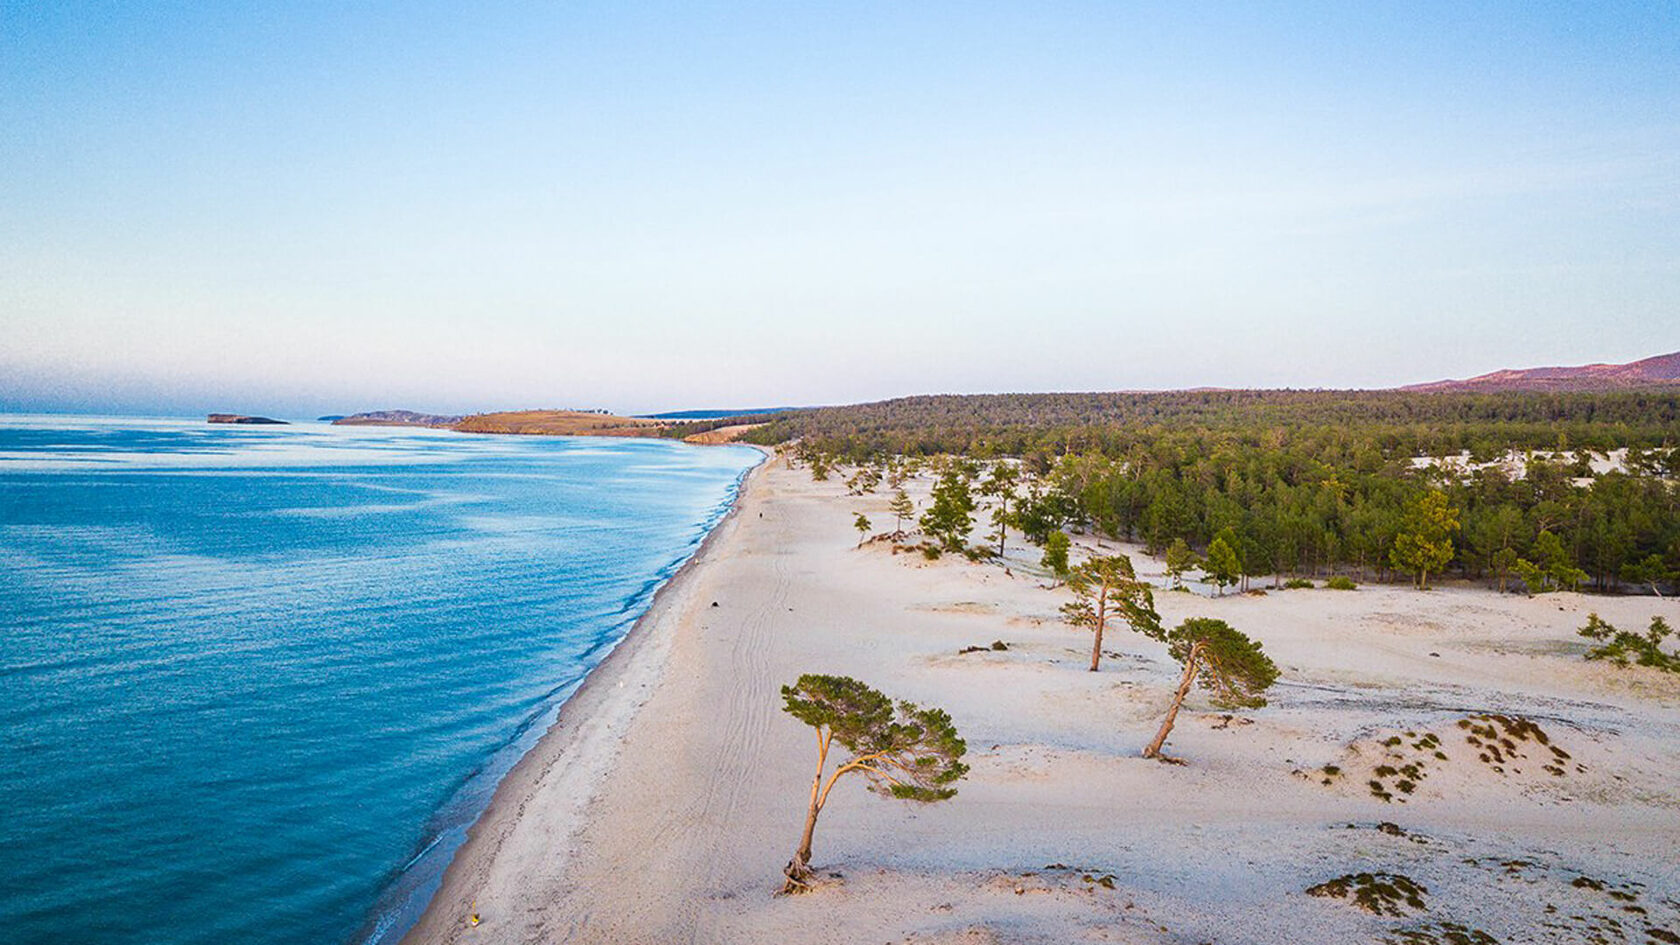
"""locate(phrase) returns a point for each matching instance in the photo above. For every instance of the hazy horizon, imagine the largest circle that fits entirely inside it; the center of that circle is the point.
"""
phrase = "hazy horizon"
(313, 210)
(299, 408)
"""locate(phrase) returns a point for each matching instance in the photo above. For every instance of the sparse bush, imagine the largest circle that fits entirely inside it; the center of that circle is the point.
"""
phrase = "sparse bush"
(1056, 554)
(1377, 893)
(1622, 646)
(1341, 582)
(1296, 584)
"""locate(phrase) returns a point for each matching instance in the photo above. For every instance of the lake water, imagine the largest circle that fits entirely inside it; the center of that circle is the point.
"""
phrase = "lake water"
(256, 681)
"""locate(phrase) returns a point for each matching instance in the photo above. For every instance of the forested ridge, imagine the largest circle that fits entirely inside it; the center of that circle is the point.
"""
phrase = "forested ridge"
(1541, 490)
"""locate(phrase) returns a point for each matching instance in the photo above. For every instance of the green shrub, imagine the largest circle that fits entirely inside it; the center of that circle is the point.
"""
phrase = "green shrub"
(1296, 584)
(1622, 647)
(1341, 582)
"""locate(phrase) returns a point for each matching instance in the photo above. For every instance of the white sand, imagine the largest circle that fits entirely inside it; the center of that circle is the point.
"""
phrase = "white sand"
(664, 803)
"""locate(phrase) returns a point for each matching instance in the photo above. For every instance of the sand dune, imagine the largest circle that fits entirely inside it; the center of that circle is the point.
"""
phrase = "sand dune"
(662, 806)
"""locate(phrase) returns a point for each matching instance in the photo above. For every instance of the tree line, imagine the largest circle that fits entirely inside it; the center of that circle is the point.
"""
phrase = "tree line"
(1499, 488)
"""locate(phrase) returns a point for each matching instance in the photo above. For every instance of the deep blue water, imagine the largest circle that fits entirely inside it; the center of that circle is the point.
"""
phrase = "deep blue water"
(254, 681)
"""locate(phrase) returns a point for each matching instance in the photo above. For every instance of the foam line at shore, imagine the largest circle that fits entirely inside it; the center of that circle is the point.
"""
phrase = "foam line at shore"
(422, 897)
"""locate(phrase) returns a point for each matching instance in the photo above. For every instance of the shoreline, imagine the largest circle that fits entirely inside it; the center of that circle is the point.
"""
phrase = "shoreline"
(582, 734)
(663, 808)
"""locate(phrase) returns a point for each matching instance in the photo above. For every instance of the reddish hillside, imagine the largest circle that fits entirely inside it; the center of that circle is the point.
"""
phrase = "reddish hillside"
(1662, 370)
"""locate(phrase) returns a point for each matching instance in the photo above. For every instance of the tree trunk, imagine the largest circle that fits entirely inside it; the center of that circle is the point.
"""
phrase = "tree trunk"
(1190, 667)
(1102, 618)
(798, 869)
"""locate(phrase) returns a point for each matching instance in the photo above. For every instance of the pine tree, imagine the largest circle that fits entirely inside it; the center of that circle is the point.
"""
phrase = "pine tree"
(901, 508)
(861, 523)
(1223, 566)
(1056, 554)
(1105, 587)
(1424, 544)
(1556, 569)
(1000, 484)
(1650, 571)
(905, 751)
(948, 519)
(1179, 559)
(1228, 664)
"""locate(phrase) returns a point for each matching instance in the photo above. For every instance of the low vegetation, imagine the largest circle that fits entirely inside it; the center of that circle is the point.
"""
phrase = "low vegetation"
(1439, 933)
(1389, 894)
(560, 423)
(1504, 745)
(1623, 647)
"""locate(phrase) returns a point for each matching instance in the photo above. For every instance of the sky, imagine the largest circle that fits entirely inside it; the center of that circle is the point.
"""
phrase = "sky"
(336, 206)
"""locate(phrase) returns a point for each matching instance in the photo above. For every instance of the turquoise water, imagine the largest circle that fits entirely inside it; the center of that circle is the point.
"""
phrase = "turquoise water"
(255, 681)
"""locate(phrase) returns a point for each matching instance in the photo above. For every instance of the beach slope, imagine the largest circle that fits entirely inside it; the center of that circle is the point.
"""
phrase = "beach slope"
(663, 804)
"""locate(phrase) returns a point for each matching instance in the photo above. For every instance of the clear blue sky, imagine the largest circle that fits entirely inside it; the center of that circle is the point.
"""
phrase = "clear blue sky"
(309, 207)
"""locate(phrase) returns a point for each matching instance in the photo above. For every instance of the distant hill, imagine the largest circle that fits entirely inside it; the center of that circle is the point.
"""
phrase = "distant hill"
(559, 423)
(711, 429)
(396, 418)
(1662, 370)
(714, 414)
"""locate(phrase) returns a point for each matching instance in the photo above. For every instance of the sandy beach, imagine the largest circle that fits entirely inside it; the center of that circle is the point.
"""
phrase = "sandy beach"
(662, 805)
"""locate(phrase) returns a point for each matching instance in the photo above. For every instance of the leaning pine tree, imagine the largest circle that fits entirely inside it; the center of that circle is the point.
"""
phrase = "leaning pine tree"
(904, 750)
(1106, 587)
(1228, 663)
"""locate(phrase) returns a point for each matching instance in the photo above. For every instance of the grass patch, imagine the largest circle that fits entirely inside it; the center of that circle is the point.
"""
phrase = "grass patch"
(1377, 893)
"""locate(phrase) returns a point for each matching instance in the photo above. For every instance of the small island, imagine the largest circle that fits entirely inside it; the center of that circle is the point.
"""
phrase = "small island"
(395, 418)
(241, 418)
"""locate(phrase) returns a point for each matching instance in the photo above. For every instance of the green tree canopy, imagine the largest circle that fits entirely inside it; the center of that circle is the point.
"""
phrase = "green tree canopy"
(1424, 545)
(1223, 567)
(1651, 571)
(950, 516)
(1042, 512)
(1555, 569)
(1179, 559)
(1056, 554)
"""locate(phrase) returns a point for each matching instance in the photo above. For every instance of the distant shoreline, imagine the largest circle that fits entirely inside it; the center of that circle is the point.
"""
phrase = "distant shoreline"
(706, 432)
